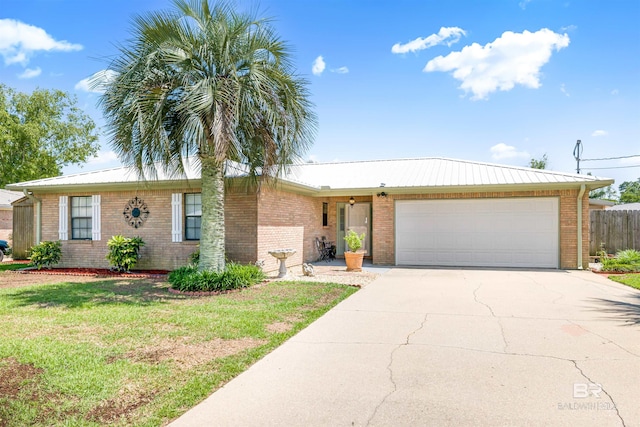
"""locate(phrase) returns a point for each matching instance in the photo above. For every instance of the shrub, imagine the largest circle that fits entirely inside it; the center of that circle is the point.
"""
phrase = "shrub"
(190, 279)
(194, 258)
(123, 252)
(624, 261)
(354, 242)
(45, 254)
(628, 256)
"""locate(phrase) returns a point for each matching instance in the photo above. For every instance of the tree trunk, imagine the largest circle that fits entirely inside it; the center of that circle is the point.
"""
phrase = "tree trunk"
(212, 249)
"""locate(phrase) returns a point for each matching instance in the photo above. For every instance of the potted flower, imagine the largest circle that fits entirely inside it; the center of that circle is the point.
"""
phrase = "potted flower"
(354, 256)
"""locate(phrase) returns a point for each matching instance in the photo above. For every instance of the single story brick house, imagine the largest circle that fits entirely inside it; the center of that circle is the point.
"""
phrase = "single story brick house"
(424, 212)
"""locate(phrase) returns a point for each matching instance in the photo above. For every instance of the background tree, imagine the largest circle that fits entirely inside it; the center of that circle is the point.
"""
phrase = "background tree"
(41, 133)
(606, 193)
(630, 191)
(539, 164)
(212, 82)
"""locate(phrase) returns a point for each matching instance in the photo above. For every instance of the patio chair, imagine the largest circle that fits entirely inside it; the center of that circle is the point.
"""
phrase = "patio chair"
(326, 250)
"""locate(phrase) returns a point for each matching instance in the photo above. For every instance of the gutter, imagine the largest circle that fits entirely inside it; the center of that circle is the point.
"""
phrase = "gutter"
(580, 194)
(38, 204)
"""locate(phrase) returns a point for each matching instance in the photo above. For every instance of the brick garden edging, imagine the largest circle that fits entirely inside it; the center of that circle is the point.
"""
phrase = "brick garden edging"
(91, 273)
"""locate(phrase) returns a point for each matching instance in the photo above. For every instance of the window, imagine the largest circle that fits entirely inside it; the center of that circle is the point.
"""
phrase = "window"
(192, 216)
(81, 218)
(325, 214)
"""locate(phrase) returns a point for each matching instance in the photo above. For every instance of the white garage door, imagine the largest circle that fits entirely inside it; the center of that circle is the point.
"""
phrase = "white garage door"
(513, 232)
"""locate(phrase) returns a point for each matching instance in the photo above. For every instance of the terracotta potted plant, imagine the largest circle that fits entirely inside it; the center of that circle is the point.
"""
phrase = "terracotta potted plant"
(354, 256)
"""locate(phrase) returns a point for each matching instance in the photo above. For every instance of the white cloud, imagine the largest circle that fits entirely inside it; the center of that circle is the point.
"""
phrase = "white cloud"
(19, 41)
(318, 66)
(446, 35)
(96, 82)
(504, 151)
(523, 4)
(341, 70)
(569, 28)
(103, 157)
(564, 90)
(513, 58)
(600, 132)
(30, 73)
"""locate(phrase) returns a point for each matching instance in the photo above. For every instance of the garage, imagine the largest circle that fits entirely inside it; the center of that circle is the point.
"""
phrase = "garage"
(504, 232)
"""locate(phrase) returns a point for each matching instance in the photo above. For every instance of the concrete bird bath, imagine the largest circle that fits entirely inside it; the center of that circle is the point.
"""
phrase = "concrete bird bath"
(282, 255)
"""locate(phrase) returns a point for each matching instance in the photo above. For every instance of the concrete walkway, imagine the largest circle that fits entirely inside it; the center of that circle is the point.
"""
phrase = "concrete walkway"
(451, 348)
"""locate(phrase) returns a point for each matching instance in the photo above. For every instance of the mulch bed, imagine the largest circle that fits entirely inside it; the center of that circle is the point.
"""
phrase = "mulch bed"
(95, 272)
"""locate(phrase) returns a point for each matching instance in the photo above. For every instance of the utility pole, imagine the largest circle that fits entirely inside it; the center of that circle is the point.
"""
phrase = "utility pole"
(577, 152)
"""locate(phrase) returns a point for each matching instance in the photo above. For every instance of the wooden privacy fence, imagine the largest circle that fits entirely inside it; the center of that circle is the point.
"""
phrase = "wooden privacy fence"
(23, 234)
(616, 230)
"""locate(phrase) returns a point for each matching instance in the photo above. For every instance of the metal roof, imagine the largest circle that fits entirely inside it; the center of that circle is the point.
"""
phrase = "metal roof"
(426, 172)
(8, 197)
(431, 172)
(625, 207)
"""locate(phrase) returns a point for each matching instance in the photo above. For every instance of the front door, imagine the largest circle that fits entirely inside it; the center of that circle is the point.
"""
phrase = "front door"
(356, 218)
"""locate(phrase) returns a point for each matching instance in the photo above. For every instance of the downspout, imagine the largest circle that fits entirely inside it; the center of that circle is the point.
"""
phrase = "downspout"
(38, 204)
(580, 194)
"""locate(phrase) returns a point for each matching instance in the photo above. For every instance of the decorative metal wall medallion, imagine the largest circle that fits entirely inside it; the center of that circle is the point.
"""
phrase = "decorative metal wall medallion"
(136, 212)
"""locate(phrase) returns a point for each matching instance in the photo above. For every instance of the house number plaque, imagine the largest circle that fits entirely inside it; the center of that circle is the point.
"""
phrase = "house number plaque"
(136, 212)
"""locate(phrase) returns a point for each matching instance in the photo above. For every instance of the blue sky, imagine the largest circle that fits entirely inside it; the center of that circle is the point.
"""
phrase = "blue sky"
(490, 81)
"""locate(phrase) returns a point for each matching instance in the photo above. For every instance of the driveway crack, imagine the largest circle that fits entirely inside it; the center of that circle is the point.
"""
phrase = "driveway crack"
(390, 368)
(615, 406)
(609, 341)
(504, 339)
(532, 279)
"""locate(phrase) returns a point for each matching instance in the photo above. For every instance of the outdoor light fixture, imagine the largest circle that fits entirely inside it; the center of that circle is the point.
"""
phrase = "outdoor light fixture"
(352, 201)
(382, 194)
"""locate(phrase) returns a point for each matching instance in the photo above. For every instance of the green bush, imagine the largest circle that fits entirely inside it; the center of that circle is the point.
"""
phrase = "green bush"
(194, 258)
(235, 276)
(354, 242)
(624, 261)
(629, 256)
(45, 254)
(123, 252)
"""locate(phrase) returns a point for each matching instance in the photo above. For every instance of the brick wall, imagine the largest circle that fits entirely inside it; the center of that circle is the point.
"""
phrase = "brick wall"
(158, 253)
(6, 218)
(287, 220)
(6, 223)
(241, 225)
(384, 219)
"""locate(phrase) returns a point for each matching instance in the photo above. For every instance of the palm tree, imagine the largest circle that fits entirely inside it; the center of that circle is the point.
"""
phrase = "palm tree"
(206, 81)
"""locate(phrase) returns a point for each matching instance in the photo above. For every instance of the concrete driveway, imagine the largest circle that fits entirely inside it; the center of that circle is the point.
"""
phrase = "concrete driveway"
(451, 348)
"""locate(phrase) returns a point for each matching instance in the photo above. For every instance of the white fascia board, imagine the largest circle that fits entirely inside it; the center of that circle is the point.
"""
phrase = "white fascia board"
(340, 192)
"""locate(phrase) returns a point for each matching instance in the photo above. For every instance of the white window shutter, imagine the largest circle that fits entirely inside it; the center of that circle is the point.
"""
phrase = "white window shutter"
(176, 217)
(63, 218)
(95, 218)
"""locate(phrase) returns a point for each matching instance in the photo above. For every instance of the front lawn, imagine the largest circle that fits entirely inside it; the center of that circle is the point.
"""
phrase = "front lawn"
(127, 352)
(632, 280)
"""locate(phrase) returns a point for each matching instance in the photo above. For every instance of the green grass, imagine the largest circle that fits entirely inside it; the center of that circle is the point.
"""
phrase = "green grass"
(6, 266)
(127, 352)
(632, 280)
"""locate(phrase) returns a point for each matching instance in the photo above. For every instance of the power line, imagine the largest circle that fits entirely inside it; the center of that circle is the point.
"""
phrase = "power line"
(613, 167)
(611, 158)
